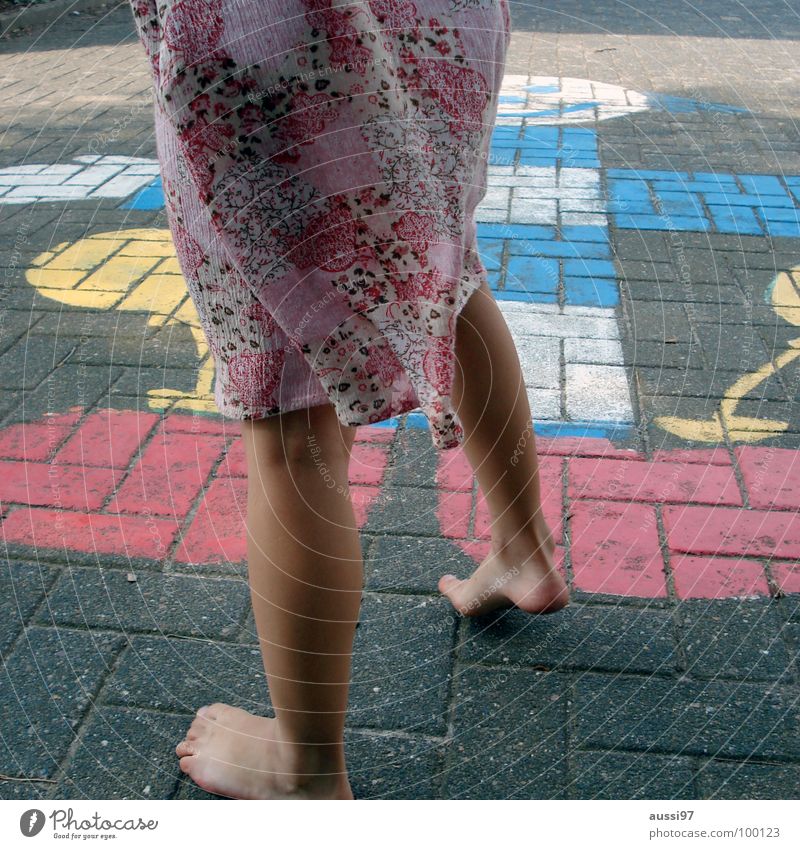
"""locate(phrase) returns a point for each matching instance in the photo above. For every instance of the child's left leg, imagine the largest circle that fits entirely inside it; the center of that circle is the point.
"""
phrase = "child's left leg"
(304, 561)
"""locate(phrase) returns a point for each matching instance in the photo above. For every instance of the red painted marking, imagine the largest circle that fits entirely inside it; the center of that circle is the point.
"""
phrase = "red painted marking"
(623, 480)
(717, 577)
(772, 476)
(722, 530)
(217, 534)
(108, 438)
(614, 545)
(33, 441)
(615, 549)
(169, 475)
(584, 446)
(372, 433)
(787, 576)
(234, 463)
(703, 456)
(550, 486)
(453, 513)
(454, 471)
(363, 497)
(200, 424)
(49, 484)
(132, 536)
(368, 464)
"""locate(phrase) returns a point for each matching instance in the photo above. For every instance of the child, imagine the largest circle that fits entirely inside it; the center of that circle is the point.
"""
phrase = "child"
(321, 163)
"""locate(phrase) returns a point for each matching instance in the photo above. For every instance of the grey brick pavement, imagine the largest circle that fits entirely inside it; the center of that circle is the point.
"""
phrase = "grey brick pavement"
(607, 699)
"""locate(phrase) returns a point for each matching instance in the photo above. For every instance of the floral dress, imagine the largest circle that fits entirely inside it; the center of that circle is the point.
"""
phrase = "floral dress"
(321, 163)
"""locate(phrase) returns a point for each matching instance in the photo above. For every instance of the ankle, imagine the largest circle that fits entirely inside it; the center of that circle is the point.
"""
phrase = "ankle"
(304, 764)
(533, 539)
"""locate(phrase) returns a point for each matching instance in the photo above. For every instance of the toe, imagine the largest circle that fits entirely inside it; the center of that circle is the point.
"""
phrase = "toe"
(184, 749)
(187, 764)
(451, 587)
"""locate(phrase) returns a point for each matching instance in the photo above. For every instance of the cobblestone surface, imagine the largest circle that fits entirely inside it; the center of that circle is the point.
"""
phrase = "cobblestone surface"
(647, 258)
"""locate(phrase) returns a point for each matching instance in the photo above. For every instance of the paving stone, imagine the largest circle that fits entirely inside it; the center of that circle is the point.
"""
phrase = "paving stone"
(748, 780)
(107, 438)
(415, 460)
(733, 639)
(124, 754)
(717, 577)
(716, 383)
(181, 675)
(721, 530)
(593, 637)
(402, 664)
(389, 766)
(168, 604)
(414, 564)
(68, 386)
(657, 354)
(631, 775)
(696, 293)
(22, 587)
(27, 363)
(27, 789)
(711, 718)
(119, 539)
(49, 681)
(658, 321)
(771, 476)
(509, 735)
(626, 480)
(406, 510)
(615, 549)
(169, 475)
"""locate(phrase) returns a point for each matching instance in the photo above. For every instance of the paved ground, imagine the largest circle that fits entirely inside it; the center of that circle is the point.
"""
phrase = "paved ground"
(641, 232)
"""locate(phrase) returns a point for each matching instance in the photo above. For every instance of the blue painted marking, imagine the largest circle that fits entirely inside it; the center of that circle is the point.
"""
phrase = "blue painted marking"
(150, 197)
(591, 292)
(657, 222)
(584, 233)
(784, 228)
(672, 103)
(542, 89)
(490, 230)
(563, 250)
(589, 268)
(532, 274)
(735, 219)
(553, 113)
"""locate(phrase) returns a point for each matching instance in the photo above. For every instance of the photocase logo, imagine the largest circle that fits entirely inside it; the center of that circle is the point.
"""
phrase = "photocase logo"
(31, 822)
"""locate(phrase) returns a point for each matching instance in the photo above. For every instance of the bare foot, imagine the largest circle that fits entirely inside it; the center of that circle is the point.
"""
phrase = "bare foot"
(509, 578)
(232, 753)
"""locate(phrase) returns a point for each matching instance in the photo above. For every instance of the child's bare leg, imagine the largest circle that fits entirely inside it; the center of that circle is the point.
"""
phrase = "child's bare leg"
(305, 570)
(492, 404)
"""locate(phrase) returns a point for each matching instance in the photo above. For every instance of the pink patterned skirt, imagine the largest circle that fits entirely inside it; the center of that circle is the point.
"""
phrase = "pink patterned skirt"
(321, 163)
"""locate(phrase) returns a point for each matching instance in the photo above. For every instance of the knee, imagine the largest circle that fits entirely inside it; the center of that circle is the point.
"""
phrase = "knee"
(295, 443)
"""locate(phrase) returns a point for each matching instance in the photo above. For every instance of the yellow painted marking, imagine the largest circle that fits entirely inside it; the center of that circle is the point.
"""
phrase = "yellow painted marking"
(82, 256)
(155, 294)
(76, 298)
(118, 273)
(169, 266)
(130, 270)
(785, 297)
(54, 278)
(152, 248)
(187, 314)
(43, 258)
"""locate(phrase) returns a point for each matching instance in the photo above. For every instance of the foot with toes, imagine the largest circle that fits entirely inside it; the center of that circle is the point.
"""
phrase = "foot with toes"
(230, 752)
(511, 576)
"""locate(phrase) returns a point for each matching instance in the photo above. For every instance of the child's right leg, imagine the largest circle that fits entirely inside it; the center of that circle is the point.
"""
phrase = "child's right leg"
(304, 560)
(492, 404)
